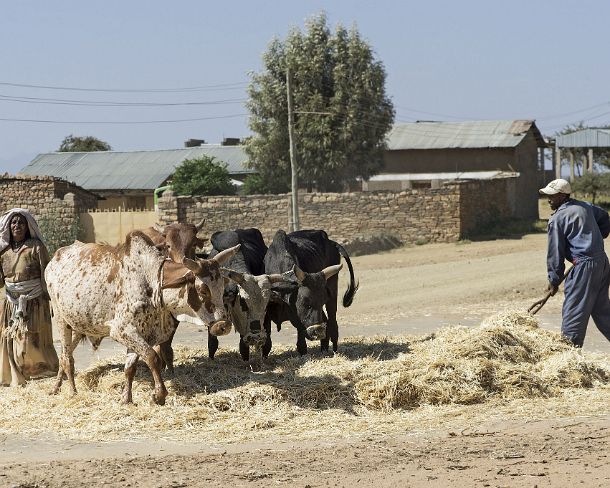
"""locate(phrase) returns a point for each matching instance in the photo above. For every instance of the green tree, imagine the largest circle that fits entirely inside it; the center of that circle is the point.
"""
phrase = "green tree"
(83, 144)
(258, 184)
(342, 113)
(202, 176)
(592, 184)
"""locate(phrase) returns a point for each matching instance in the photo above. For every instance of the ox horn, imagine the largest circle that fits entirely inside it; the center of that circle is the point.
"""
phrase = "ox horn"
(227, 254)
(299, 273)
(192, 265)
(331, 271)
(199, 226)
(277, 278)
(234, 275)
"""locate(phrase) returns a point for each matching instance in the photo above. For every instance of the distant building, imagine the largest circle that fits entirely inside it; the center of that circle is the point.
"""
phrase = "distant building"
(426, 154)
(127, 179)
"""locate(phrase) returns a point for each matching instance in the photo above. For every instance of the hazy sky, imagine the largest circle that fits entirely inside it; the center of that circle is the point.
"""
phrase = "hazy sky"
(445, 60)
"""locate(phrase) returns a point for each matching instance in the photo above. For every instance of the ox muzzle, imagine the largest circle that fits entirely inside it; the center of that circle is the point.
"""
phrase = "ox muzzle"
(255, 336)
(220, 327)
(316, 332)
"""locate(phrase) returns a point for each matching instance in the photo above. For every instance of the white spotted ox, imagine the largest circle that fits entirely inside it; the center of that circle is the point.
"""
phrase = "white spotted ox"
(127, 292)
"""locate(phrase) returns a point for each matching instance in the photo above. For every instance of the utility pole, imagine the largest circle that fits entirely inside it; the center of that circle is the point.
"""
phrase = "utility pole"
(293, 164)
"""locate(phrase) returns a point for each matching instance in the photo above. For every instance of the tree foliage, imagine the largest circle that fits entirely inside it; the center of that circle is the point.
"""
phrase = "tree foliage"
(73, 143)
(592, 185)
(202, 176)
(259, 185)
(342, 113)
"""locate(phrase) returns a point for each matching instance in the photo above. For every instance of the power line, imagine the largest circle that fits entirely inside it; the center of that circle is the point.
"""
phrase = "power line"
(93, 103)
(221, 86)
(120, 122)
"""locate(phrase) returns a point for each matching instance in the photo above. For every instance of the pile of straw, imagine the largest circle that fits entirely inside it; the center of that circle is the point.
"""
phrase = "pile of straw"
(377, 383)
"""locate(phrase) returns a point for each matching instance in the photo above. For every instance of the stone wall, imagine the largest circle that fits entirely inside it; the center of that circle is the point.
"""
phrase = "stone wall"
(44, 196)
(413, 216)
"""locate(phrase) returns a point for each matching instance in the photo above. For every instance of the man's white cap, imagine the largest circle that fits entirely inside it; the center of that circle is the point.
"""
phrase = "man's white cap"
(557, 186)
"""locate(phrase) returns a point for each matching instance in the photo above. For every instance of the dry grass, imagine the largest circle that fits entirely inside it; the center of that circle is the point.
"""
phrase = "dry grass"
(505, 367)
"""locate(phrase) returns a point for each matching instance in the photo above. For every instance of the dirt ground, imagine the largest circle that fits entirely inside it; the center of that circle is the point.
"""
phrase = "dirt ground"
(412, 290)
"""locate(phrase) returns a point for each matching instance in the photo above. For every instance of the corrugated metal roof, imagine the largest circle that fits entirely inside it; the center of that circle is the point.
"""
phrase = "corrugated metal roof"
(132, 170)
(462, 135)
(585, 138)
(463, 175)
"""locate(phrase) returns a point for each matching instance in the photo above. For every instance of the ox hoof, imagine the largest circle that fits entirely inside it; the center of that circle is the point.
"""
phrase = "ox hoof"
(158, 399)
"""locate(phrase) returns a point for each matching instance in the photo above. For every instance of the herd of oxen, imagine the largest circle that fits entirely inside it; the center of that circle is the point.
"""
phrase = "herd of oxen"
(138, 292)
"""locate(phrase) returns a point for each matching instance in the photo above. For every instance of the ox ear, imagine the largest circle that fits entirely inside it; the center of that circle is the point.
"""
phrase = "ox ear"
(331, 271)
(199, 226)
(299, 273)
(163, 247)
(159, 229)
(227, 254)
(200, 242)
(233, 275)
(192, 265)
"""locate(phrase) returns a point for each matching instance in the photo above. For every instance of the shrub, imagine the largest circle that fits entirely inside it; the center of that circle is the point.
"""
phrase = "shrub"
(202, 176)
(57, 234)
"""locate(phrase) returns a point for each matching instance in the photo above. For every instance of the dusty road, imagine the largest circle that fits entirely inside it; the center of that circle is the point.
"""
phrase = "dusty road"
(410, 290)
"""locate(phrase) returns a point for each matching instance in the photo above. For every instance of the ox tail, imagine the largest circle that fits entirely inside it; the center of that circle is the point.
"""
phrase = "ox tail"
(348, 297)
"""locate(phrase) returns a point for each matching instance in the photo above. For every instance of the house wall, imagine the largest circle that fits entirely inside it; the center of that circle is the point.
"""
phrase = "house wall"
(523, 158)
(424, 215)
(448, 160)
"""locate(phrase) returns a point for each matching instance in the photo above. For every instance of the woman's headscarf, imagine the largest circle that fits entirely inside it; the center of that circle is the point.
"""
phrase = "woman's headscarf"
(5, 226)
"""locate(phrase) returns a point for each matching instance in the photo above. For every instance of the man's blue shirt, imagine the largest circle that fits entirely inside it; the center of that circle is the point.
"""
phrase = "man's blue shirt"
(576, 232)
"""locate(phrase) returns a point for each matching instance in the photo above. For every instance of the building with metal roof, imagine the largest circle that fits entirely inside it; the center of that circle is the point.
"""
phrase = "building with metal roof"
(128, 178)
(510, 146)
(585, 138)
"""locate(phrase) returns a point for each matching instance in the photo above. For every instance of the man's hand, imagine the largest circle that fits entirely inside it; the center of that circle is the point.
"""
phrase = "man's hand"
(552, 289)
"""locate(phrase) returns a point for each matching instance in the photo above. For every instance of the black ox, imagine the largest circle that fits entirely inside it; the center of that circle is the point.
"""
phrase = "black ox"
(248, 293)
(315, 260)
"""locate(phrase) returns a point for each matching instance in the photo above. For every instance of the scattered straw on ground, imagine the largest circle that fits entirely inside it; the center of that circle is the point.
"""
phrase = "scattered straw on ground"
(505, 367)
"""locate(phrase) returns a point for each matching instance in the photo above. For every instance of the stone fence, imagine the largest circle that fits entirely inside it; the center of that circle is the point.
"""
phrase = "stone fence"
(45, 197)
(446, 214)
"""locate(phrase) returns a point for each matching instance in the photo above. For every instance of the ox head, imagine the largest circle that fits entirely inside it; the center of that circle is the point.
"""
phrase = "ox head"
(247, 300)
(306, 298)
(181, 239)
(205, 293)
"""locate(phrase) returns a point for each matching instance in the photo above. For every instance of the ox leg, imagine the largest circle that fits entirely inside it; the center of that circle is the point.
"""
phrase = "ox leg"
(301, 341)
(268, 343)
(165, 350)
(244, 349)
(131, 366)
(130, 338)
(69, 341)
(212, 345)
(332, 327)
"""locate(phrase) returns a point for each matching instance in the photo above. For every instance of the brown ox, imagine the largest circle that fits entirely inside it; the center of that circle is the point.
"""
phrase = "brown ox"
(179, 241)
(127, 292)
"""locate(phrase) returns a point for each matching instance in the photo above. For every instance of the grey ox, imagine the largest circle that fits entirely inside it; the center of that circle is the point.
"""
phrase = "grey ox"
(127, 292)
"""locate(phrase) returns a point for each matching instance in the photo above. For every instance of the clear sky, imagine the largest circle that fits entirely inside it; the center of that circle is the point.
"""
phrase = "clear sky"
(445, 60)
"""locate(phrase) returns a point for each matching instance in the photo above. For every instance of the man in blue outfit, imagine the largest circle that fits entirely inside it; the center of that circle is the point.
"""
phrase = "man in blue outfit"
(576, 233)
